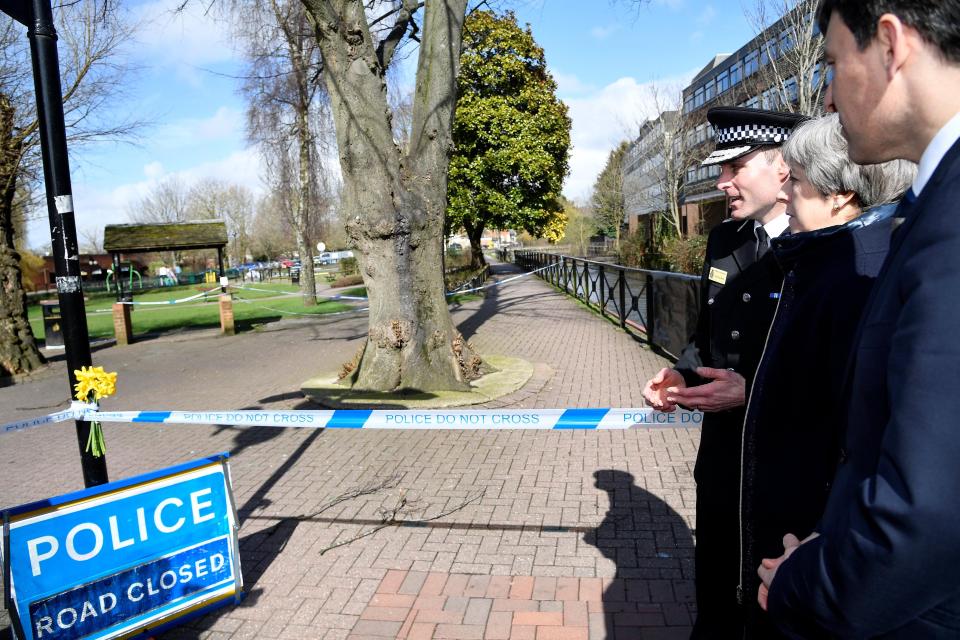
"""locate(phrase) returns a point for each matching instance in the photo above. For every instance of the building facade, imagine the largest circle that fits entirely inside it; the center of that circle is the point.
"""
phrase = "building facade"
(771, 71)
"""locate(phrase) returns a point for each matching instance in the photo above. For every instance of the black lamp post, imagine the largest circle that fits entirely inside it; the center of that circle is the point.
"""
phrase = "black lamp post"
(37, 16)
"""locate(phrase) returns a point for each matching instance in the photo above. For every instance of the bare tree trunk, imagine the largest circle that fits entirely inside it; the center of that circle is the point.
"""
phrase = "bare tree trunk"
(396, 201)
(474, 234)
(308, 286)
(18, 347)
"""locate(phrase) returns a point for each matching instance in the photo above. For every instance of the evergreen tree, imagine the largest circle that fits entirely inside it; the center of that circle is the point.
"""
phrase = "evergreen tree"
(511, 135)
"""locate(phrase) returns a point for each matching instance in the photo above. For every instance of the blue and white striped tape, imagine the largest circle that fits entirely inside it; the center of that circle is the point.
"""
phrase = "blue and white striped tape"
(469, 419)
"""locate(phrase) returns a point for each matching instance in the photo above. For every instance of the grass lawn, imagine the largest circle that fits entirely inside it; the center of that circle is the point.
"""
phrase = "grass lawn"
(250, 308)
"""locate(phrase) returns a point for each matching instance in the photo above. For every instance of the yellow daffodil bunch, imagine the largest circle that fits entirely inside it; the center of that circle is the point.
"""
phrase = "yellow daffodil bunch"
(93, 383)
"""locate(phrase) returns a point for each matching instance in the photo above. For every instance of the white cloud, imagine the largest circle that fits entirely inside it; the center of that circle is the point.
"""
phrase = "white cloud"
(707, 15)
(153, 170)
(568, 84)
(602, 33)
(182, 40)
(97, 207)
(603, 117)
(226, 123)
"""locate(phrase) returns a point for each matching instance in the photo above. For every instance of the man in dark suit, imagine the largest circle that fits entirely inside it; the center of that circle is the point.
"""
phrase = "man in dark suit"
(883, 562)
(738, 296)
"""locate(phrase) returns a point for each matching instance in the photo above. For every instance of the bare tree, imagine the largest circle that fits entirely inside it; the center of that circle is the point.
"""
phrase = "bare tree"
(395, 197)
(212, 199)
(90, 33)
(168, 201)
(607, 200)
(661, 154)
(91, 241)
(287, 115)
(792, 74)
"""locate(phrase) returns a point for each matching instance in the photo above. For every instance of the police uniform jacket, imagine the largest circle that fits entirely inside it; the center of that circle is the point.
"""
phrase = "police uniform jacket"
(791, 438)
(737, 301)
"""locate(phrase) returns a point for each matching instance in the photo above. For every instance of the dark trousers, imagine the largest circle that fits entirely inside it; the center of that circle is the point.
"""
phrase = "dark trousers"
(717, 555)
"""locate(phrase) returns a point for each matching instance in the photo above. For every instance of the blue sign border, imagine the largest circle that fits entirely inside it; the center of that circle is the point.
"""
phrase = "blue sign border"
(200, 608)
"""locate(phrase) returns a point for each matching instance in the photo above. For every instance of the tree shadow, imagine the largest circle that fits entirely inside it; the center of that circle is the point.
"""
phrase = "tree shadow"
(652, 547)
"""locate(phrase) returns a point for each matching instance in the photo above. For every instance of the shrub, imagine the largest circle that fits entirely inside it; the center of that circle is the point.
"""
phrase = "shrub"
(633, 249)
(685, 255)
(347, 281)
(349, 267)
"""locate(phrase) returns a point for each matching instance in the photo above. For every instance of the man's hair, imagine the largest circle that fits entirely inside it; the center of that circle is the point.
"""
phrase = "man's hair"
(935, 20)
(819, 148)
(772, 154)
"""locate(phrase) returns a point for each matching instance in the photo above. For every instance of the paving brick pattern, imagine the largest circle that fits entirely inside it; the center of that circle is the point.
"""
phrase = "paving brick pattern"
(561, 520)
(412, 605)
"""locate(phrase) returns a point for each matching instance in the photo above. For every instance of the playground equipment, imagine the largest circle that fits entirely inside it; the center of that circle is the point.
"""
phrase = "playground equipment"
(133, 272)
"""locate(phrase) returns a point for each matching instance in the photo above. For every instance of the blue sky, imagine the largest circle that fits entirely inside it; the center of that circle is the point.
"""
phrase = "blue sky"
(604, 54)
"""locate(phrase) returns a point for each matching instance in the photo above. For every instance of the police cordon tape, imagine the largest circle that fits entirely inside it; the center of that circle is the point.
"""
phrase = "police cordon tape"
(387, 418)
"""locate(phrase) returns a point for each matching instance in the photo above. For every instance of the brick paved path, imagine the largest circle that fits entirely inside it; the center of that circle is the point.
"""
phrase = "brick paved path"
(559, 534)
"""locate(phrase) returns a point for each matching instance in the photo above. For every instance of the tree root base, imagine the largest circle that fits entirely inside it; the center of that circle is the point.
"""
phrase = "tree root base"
(510, 375)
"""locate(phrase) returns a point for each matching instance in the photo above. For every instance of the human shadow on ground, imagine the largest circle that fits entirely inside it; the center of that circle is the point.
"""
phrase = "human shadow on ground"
(653, 551)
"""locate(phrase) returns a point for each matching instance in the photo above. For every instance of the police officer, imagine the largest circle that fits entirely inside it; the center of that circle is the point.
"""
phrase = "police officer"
(738, 295)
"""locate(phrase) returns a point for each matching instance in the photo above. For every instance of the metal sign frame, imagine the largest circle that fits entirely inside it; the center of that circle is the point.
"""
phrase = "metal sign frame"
(68, 583)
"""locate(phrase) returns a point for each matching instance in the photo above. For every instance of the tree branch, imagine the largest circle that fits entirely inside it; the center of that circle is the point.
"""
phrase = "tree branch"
(388, 45)
(390, 519)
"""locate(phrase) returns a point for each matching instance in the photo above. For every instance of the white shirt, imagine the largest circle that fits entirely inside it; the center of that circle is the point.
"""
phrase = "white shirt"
(775, 227)
(935, 151)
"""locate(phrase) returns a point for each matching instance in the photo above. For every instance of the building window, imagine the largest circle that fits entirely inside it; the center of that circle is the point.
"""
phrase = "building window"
(692, 174)
(688, 104)
(750, 64)
(709, 91)
(701, 133)
(753, 103)
(790, 89)
(698, 97)
(736, 74)
(723, 82)
(786, 41)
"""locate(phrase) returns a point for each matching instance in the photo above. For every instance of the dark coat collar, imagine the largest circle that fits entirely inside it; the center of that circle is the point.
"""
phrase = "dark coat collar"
(789, 248)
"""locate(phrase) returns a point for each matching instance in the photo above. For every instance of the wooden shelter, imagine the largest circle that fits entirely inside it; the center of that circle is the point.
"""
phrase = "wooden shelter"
(164, 236)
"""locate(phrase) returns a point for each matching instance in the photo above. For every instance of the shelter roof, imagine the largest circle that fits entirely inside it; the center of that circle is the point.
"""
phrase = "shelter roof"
(164, 236)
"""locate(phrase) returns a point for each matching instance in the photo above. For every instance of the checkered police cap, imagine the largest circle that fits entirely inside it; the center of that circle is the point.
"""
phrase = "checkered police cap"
(740, 130)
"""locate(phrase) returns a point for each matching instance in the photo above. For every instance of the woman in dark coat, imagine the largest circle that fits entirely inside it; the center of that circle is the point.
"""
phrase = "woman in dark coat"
(840, 230)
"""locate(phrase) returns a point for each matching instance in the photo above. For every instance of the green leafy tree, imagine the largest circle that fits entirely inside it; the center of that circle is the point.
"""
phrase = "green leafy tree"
(511, 134)
(608, 200)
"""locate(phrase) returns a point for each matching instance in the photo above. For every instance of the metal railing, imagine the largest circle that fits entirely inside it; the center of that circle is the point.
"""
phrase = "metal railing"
(660, 305)
(472, 282)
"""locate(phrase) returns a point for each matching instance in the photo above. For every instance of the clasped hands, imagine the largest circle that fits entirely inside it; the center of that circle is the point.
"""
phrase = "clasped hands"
(666, 390)
(768, 566)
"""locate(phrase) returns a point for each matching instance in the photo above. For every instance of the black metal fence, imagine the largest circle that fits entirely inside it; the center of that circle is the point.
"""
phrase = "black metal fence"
(660, 305)
(467, 281)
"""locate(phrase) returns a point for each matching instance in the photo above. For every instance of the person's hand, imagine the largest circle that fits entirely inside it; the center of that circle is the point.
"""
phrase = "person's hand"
(727, 390)
(768, 566)
(655, 391)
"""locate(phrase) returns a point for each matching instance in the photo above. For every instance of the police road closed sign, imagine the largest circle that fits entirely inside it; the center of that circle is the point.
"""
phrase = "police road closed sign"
(127, 557)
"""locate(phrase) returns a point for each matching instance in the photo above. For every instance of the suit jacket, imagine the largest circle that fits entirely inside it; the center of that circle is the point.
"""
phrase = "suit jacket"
(886, 564)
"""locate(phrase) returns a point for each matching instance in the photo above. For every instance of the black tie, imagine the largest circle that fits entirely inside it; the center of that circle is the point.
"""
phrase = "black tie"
(763, 242)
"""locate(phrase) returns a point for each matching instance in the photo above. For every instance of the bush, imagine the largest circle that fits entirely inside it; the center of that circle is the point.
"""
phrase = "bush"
(349, 267)
(685, 255)
(347, 281)
(633, 249)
